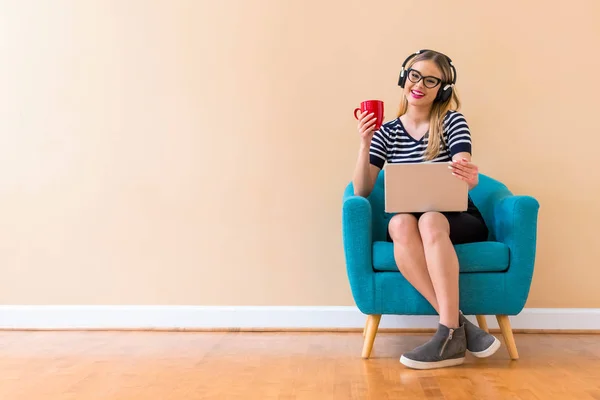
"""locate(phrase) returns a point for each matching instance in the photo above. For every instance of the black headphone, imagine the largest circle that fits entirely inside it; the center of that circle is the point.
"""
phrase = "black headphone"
(445, 92)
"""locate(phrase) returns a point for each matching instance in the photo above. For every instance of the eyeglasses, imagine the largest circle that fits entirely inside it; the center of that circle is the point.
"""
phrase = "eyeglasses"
(429, 81)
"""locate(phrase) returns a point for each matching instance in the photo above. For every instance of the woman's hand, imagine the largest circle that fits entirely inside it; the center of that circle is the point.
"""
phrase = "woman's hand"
(366, 127)
(466, 171)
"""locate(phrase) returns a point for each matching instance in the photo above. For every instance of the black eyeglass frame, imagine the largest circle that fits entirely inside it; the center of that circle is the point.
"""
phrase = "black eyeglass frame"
(437, 80)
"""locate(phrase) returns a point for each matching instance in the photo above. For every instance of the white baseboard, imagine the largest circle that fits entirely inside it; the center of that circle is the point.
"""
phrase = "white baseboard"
(269, 317)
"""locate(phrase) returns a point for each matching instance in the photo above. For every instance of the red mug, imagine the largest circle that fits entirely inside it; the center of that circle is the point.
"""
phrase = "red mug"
(372, 106)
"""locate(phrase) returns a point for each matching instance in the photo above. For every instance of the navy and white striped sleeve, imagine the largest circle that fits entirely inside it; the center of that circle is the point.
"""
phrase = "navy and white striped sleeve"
(378, 150)
(459, 135)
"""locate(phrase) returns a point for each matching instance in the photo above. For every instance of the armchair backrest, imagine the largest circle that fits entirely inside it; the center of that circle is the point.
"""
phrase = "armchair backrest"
(484, 195)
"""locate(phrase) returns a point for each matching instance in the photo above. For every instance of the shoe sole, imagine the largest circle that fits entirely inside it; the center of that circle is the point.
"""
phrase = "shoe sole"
(489, 351)
(431, 365)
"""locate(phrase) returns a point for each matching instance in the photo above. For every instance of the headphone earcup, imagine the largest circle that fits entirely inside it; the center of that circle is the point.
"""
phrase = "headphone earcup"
(402, 78)
(444, 94)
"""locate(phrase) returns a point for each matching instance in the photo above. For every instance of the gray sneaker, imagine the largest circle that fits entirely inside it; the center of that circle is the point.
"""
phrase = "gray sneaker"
(479, 343)
(446, 349)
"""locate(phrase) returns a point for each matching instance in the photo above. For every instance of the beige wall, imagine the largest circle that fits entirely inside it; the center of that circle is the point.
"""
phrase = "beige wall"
(121, 123)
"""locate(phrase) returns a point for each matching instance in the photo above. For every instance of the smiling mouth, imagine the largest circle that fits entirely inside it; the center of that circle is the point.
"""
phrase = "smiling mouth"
(416, 94)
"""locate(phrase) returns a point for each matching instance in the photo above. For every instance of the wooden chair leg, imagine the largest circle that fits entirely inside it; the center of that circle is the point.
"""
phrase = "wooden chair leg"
(371, 331)
(482, 322)
(507, 332)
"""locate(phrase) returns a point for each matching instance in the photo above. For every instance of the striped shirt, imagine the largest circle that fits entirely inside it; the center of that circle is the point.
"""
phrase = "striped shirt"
(393, 144)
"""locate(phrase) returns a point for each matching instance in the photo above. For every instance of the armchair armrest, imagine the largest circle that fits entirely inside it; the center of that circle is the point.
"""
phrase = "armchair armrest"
(516, 226)
(357, 240)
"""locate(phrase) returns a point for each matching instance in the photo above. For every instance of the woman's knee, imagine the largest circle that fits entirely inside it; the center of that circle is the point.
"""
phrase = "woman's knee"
(402, 227)
(433, 226)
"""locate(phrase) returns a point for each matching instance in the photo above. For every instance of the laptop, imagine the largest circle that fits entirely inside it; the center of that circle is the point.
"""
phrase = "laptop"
(422, 187)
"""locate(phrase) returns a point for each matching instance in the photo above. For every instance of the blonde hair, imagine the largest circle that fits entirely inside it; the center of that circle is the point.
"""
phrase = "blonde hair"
(438, 109)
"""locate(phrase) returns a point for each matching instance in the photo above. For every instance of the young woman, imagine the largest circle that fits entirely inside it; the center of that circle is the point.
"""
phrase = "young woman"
(429, 128)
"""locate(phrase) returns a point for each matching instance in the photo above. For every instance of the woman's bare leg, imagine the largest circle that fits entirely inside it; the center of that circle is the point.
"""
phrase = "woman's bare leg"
(442, 264)
(410, 257)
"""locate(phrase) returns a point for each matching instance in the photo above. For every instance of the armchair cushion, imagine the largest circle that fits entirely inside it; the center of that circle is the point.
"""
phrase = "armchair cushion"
(472, 257)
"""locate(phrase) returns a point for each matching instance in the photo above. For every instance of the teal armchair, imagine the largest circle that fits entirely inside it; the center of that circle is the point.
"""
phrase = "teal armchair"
(495, 275)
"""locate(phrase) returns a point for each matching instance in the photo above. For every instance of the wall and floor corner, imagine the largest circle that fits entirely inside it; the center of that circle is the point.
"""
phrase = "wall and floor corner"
(265, 318)
(182, 163)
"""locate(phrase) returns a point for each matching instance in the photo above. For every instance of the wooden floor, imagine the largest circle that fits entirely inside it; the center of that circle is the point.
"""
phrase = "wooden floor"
(185, 365)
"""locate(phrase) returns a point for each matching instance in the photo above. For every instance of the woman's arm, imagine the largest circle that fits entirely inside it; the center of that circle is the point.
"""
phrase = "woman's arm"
(459, 139)
(462, 167)
(365, 172)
